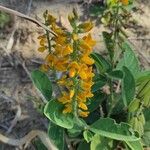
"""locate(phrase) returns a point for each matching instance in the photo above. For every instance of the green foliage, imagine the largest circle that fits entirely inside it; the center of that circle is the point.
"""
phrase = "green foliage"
(4, 19)
(83, 145)
(101, 63)
(128, 86)
(116, 74)
(87, 136)
(118, 110)
(135, 145)
(107, 127)
(109, 44)
(42, 83)
(39, 145)
(96, 10)
(56, 134)
(99, 142)
(129, 60)
(95, 101)
(53, 111)
(99, 82)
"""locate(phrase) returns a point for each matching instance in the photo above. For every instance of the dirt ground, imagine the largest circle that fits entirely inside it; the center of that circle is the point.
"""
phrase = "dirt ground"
(19, 56)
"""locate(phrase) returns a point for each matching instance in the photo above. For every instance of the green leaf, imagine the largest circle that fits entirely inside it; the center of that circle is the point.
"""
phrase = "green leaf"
(146, 139)
(95, 101)
(128, 86)
(107, 127)
(142, 76)
(100, 143)
(146, 136)
(56, 134)
(87, 135)
(109, 44)
(53, 111)
(135, 145)
(116, 74)
(101, 63)
(99, 82)
(39, 145)
(96, 10)
(129, 60)
(43, 84)
(76, 130)
(83, 146)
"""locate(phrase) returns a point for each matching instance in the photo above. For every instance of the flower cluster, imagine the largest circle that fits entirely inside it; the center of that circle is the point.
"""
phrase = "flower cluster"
(124, 2)
(69, 53)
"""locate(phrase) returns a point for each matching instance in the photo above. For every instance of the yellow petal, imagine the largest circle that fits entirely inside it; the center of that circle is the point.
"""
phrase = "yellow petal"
(72, 72)
(71, 93)
(88, 39)
(83, 113)
(82, 106)
(68, 109)
(125, 2)
(74, 65)
(87, 60)
(85, 27)
(51, 19)
(67, 50)
(74, 36)
(44, 68)
(42, 49)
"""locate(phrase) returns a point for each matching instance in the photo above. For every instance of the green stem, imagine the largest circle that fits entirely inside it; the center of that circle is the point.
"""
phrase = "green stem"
(113, 102)
(49, 42)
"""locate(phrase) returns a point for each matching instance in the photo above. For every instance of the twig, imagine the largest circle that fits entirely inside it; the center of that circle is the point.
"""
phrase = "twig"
(16, 13)
(6, 98)
(11, 39)
(15, 120)
(26, 139)
(118, 87)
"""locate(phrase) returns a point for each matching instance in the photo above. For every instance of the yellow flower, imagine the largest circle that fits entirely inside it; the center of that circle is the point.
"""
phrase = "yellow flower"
(67, 50)
(71, 93)
(61, 64)
(74, 36)
(86, 85)
(83, 113)
(84, 46)
(60, 40)
(42, 49)
(42, 42)
(65, 98)
(125, 2)
(51, 19)
(88, 39)
(44, 68)
(41, 37)
(63, 80)
(82, 106)
(68, 108)
(87, 60)
(57, 30)
(85, 27)
(85, 72)
(81, 97)
(72, 72)
(74, 67)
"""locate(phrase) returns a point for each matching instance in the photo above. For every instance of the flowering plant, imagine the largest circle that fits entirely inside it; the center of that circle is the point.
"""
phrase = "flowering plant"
(93, 102)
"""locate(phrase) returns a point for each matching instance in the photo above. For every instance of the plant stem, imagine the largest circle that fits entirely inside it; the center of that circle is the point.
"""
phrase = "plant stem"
(49, 42)
(113, 102)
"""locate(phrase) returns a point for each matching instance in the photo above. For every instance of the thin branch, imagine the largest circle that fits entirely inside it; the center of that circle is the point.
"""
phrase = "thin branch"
(27, 138)
(16, 13)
